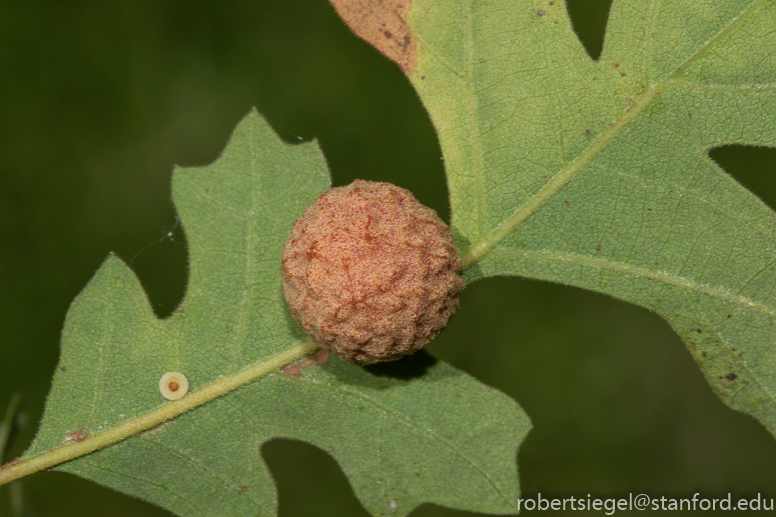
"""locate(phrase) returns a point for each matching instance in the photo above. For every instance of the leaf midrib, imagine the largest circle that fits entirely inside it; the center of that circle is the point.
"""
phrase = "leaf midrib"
(480, 249)
(135, 425)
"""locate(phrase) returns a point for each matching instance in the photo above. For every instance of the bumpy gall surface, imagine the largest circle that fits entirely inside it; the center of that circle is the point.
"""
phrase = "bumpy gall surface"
(371, 273)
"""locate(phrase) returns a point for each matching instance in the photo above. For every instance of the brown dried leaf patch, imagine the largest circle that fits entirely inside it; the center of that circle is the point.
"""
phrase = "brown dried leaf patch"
(383, 24)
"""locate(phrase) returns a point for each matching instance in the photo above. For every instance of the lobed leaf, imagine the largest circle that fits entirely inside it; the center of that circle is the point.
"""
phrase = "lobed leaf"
(596, 173)
(439, 437)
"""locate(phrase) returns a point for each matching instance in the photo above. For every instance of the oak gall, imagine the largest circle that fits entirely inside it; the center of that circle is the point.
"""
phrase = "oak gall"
(370, 273)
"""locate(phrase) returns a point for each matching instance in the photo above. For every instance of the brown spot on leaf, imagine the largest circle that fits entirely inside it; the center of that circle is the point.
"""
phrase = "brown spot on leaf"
(568, 205)
(77, 436)
(321, 356)
(243, 489)
(598, 247)
(704, 354)
(541, 13)
(699, 331)
(295, 369)
(731, 376)
(292, 370)
(383, 24)
(11, 463)
(63, 368)
(616, 65)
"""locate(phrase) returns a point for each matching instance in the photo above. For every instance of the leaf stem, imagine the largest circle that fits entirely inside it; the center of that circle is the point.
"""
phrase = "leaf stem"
(23, 467)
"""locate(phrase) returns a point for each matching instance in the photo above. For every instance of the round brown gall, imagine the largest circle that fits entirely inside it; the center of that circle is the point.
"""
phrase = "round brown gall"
(370, 273)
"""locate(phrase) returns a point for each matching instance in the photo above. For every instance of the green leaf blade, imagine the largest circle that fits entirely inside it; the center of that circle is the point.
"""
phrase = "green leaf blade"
(237, 213)
(439, 436)
(388, 422)
(612, 189)
(89, 390)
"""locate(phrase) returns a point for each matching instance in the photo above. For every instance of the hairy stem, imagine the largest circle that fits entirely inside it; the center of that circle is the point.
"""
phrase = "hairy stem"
(23, 467)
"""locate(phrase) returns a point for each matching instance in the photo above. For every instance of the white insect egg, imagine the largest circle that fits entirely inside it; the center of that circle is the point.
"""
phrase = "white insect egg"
(173, 385)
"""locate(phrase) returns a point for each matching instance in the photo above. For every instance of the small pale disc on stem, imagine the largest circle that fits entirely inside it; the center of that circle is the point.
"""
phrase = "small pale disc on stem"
(173, 385)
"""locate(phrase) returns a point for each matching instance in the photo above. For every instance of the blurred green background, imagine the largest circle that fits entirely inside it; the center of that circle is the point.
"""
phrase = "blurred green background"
(98, 101)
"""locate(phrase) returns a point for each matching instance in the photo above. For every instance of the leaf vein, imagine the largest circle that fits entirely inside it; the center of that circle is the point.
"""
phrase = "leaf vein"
(649, 274)
(484, 246)
(434, 436)
(474, 134)
(124, 474)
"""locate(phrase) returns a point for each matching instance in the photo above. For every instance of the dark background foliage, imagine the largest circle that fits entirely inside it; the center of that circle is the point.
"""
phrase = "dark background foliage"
(98, 102)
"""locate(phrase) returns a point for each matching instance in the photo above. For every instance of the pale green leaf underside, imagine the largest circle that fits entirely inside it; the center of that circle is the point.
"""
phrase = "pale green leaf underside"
(596, 174)
(442, 437)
